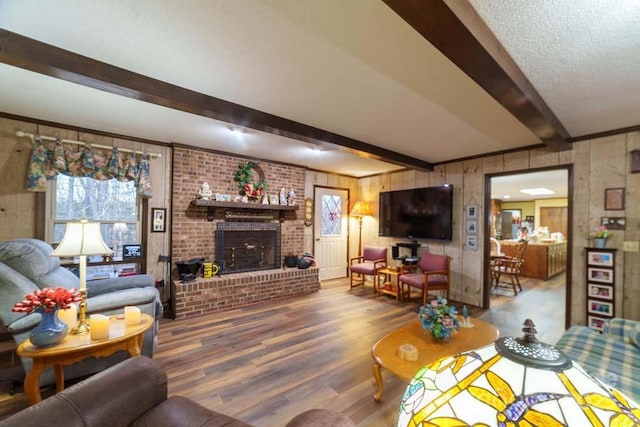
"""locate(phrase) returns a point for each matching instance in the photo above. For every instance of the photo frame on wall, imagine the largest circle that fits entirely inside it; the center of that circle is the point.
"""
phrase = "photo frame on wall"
(600, 259)
(614, 199)
(472, 243)
(472, 211)
(600, 291)
(472, 227)
(596, 323)
(601, 275)
(158, 220)
(613, 222)
(602, 308)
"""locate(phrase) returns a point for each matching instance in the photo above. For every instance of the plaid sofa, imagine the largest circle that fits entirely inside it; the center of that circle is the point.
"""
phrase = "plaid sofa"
(612, 356)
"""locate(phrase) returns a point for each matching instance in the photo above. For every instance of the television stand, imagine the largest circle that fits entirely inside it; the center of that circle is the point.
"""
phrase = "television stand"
(406, 260)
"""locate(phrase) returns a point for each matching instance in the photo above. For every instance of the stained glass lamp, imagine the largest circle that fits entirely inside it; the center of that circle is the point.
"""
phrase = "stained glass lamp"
(512, 382)
(81, 239)
(360, 210)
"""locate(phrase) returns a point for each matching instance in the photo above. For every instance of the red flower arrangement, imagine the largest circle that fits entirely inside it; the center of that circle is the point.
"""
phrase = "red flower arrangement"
(48, 299)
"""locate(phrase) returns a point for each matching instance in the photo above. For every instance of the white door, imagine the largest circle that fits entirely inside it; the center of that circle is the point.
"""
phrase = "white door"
(330, 232)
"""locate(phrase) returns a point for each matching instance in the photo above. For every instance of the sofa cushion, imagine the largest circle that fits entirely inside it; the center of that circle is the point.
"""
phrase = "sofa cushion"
(609, 358)
(635, 336)
(180, 411)
(13, 287)
(29, 256)
(320, 418)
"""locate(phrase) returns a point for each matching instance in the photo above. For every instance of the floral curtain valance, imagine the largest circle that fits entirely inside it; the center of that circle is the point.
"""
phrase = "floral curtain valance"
(46, 163)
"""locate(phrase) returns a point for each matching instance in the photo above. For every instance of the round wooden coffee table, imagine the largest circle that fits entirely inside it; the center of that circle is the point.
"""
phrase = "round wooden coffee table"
(385, 351)
(76, 347)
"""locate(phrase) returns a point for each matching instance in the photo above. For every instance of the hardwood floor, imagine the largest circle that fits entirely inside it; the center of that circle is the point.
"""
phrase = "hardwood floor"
(266, 363)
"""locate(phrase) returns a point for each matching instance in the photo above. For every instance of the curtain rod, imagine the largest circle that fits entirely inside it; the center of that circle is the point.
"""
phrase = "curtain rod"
(23, 134)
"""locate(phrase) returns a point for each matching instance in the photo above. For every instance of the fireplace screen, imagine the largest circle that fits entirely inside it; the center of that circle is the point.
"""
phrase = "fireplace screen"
(247, 246)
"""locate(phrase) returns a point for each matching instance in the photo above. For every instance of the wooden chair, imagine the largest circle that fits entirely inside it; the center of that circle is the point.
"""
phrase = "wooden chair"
(435, 275)
(509, 267)
(373, 259)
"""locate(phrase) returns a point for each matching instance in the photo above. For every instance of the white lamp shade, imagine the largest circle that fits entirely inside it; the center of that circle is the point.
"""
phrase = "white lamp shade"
(82, 238)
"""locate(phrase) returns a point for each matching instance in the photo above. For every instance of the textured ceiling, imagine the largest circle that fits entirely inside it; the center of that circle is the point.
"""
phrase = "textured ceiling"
(353, 68)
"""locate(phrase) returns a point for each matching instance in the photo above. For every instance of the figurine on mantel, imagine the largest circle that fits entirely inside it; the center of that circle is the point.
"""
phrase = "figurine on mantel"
(265, 199)
(292, 197)
(205, 192)
(283, 196)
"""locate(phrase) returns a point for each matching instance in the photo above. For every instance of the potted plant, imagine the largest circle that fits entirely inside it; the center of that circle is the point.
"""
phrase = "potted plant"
(600, 236)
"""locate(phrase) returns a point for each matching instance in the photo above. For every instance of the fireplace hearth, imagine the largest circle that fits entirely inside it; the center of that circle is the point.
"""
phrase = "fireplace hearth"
(247, 246)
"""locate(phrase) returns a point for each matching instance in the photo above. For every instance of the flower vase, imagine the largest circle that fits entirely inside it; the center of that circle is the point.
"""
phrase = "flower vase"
(600, 243)
(50, 331)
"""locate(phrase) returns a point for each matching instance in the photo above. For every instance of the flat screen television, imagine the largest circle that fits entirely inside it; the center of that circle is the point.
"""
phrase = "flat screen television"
(419, 213)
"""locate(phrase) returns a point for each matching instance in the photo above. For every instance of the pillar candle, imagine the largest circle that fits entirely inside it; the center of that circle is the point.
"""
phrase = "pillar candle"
(69, 316)
(99, 326)
(131, 315)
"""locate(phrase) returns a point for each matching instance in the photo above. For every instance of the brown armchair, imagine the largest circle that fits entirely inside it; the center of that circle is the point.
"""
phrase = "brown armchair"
(509, 267)
(373, 259)
(435, 275)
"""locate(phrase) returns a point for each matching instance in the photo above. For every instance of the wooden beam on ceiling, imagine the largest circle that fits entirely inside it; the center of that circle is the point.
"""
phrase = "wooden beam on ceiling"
(498, 74)
(33, 55)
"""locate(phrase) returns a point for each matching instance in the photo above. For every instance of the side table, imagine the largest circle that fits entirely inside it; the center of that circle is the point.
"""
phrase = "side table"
(75, 348)
(391, 286)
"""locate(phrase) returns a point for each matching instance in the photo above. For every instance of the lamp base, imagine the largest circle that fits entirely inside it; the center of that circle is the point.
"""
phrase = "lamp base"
(81, 328)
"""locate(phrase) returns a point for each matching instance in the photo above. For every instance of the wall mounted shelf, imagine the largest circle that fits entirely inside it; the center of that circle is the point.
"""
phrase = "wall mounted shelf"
(213, 205)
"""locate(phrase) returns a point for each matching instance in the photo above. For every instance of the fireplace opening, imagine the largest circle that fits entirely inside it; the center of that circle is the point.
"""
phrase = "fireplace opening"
(247, 246)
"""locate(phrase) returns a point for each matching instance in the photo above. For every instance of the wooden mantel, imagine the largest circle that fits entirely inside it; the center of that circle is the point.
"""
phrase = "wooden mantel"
(212, 205)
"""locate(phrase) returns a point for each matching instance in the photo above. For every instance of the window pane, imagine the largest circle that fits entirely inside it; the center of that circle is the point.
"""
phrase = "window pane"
(331, 215)
(80, 198)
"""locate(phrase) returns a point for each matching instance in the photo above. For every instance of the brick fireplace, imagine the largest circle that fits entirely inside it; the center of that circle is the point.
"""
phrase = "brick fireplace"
(247, 246)
(195, 234)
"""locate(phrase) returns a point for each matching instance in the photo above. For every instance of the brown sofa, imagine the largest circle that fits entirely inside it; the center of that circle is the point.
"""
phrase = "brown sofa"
(134, 393)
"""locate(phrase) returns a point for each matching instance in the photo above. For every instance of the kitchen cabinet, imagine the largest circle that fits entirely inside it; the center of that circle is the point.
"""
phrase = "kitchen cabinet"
(541, 260)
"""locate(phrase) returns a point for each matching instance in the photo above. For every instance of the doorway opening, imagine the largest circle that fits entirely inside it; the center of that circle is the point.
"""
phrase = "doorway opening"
(533, 206)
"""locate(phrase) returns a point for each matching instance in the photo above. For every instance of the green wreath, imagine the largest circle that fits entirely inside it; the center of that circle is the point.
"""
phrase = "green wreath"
(244, 177)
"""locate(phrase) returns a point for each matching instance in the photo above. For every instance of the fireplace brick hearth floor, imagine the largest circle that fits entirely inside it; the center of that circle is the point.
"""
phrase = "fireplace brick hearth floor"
(229, 291)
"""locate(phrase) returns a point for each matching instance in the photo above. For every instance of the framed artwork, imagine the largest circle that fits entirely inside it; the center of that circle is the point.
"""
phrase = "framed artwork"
(472, 227)
(600, 259)
(596, 323)
(600, 291)
(472, 242)
(158, 220)
(600, 307)
(601, 275)
(472, 211)
(131, 251)
(613, 222)
(614, 199)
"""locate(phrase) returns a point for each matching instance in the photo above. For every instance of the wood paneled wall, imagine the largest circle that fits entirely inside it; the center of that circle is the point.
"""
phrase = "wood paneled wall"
(597, 164)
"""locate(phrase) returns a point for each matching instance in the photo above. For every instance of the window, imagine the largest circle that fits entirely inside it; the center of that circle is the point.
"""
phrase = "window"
(113, 203)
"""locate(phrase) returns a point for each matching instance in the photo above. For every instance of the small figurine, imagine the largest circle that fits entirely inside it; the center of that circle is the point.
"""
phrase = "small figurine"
(265, 199)
(465, 316)
(205, 192)
(292, 197)
(283, 196)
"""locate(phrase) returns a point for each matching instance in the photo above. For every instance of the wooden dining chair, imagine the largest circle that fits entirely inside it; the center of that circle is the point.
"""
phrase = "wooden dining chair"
(509, 267)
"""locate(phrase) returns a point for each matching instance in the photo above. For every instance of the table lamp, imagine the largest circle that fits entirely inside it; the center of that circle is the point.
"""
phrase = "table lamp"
(513, 382)
(360, 210)
(81, 239)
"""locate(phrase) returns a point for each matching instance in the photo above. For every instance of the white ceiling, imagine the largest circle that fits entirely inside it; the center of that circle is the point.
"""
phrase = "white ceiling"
(354, 68)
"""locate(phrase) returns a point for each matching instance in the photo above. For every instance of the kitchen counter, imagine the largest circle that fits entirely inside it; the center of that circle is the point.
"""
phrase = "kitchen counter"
(541, 260)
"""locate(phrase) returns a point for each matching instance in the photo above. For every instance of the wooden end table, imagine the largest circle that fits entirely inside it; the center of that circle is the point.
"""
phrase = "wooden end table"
(75, 348)
(385, 351)
(391, 285)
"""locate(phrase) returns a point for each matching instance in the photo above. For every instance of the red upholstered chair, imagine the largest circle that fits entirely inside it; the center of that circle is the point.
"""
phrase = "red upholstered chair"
(434, 276)
(373, 259)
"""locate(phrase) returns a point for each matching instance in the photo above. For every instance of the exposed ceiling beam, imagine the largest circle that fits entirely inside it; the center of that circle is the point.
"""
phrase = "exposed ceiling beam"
(439, 25)
(33, 55)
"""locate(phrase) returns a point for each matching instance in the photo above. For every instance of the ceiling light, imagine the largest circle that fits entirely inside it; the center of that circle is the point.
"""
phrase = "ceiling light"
(537, 191)
(506, 196)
